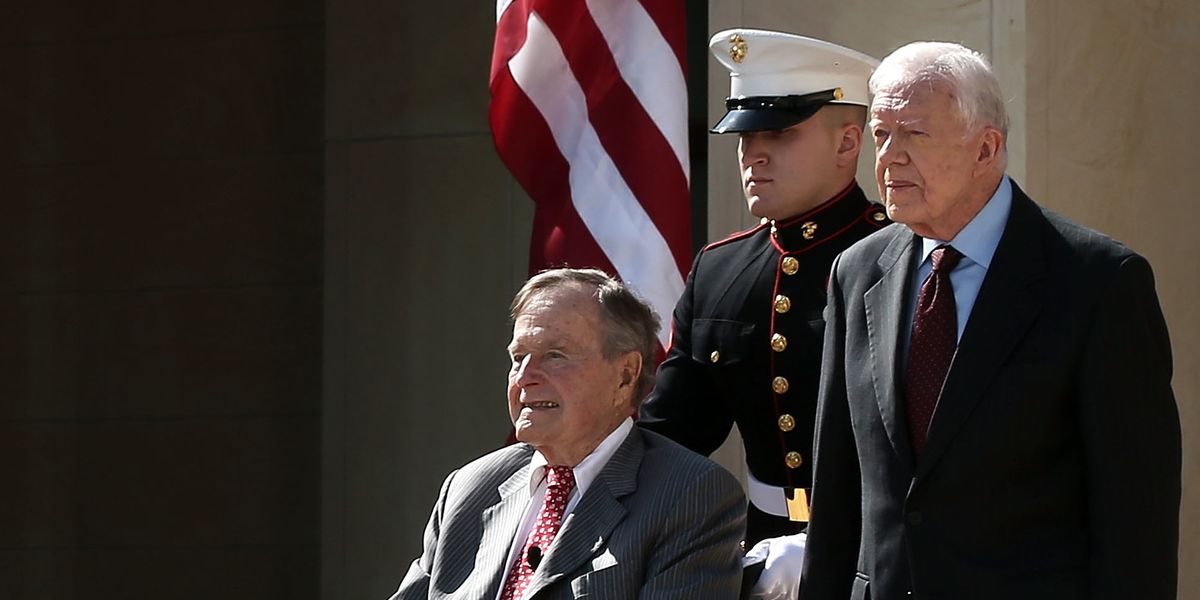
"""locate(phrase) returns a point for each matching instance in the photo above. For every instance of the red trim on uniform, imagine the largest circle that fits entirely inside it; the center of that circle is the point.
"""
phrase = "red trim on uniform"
(788, 222)
(865, 216)
(778, 248)
(809, 216)
(734, 237)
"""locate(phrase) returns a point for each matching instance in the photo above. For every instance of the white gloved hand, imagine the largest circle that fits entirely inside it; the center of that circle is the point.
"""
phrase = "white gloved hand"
(780, 578)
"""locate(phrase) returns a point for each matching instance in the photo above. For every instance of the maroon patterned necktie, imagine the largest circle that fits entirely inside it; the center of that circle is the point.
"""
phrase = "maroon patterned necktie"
(931, 347)
(560, 481)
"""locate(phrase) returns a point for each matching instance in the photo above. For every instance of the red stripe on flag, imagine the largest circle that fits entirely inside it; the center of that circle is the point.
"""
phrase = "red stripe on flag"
(643, 158)
(561, 239)
(527, 147)
(629, 136)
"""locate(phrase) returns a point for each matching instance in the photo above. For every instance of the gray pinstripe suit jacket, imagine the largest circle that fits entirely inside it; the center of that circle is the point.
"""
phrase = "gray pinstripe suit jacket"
(658, 522)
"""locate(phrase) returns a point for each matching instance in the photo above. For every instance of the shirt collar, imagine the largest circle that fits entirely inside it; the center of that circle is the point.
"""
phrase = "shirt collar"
(979, 239)
(591, 465)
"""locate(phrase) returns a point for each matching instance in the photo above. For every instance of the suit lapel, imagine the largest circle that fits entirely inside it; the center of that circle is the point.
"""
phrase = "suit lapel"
(499, 524)
(1005, 308)
(885, 310)
(585, 531)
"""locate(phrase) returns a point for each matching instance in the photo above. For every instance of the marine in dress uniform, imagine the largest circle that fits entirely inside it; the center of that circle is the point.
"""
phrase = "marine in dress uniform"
(747, 333)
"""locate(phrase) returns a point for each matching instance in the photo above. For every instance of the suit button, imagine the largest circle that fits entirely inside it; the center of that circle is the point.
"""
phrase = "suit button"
(714, 357)
(878, 217)
(779, 384)
(787, 422)
(778, 342)
(793, 459)
(789, 265)
(914, 518)
(782, 304)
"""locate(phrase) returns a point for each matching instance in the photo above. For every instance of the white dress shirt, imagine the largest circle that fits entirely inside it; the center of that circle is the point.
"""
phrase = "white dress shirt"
(585, 473)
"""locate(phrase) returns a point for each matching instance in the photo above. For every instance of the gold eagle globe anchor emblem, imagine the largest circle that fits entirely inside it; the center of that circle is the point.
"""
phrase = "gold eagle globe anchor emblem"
(737, 48)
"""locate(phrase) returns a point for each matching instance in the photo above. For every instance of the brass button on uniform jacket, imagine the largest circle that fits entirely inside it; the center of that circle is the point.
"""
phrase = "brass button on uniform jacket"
(747, 337)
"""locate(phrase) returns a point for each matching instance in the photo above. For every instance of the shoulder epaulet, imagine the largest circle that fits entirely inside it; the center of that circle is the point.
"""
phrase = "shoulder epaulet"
(736, 236)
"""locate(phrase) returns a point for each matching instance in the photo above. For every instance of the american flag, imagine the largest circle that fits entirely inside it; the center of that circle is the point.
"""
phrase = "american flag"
(589, 113)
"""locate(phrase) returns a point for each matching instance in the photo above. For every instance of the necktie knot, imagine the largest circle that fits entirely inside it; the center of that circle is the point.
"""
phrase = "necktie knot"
(945, 258)
(560, 477)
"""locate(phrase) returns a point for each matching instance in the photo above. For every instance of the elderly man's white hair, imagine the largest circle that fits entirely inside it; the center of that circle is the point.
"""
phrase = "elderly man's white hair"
(965, 71)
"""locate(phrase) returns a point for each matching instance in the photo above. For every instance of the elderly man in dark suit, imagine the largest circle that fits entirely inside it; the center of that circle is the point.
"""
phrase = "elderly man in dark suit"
(587, 505)
(995, 417)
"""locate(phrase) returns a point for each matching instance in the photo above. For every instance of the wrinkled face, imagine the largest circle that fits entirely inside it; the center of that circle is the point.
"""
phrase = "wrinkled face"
(564, 396)
(786, 172)
(924, 156)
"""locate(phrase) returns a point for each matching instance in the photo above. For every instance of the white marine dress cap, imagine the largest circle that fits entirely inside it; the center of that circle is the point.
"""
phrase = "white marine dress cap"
(778, 79)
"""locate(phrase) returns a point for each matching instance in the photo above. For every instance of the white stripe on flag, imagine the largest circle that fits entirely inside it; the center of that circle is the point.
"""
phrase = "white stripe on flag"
(601, 197)
(648, 65)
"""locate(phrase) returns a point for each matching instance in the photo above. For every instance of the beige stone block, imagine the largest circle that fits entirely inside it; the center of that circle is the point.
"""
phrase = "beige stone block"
(161, 354)
(874, 26)
(167, 571)
(727, 211)
(253, 92)
(1008, 55)
(154, 483)
(1110, 133)
(408, 68)
(134, 224)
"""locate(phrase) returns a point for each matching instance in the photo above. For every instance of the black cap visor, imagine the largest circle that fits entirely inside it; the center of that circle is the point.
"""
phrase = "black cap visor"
(766, 113)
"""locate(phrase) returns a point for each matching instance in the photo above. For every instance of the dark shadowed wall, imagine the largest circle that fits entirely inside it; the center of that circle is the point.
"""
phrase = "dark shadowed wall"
(160, 299)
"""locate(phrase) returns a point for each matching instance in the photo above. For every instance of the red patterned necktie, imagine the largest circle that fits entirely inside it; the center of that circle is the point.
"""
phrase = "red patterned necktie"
(560, 481)
(931, 347)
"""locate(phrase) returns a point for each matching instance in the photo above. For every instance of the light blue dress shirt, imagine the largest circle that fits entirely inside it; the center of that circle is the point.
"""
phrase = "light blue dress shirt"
(977, 242)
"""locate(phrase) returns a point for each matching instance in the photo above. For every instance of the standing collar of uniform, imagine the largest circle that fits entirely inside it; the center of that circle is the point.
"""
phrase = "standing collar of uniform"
(833, 215)
(589, 468)
(979, 239)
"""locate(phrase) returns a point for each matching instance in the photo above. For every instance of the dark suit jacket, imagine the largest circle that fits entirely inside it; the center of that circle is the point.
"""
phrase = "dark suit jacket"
(721, 363)
(658, 522)
(1052, 466)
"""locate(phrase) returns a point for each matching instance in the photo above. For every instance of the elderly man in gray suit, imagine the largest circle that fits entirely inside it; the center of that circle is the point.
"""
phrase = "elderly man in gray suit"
(586, 505)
